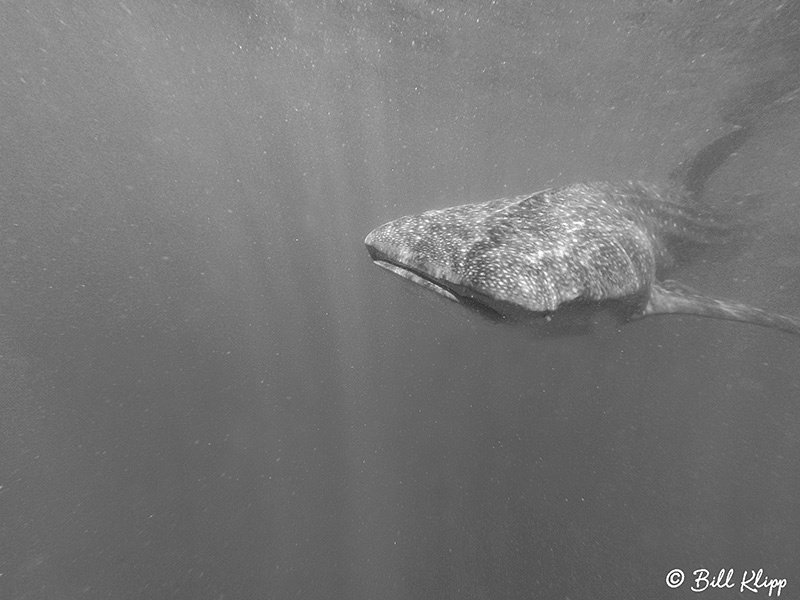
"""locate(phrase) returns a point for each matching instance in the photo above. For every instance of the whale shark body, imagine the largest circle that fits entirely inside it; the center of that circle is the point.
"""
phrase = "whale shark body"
(575, 249)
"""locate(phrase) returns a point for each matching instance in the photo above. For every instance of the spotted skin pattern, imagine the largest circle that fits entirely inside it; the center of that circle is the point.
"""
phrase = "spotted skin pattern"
(589, 244)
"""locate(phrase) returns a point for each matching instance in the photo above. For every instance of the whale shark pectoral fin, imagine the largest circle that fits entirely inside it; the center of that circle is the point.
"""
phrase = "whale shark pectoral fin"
(670, 285)
(671, 297)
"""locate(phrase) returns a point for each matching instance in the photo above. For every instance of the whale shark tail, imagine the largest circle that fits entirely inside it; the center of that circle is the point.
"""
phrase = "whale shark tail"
(693, 174)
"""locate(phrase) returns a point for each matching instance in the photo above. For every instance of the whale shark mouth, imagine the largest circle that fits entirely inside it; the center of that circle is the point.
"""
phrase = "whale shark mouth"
(459, 294)
(427, 281)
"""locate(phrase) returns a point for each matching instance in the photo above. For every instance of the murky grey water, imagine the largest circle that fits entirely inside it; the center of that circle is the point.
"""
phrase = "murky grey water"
(209, 391)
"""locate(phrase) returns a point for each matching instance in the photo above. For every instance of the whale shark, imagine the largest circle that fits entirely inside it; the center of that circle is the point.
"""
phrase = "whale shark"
(572, 250)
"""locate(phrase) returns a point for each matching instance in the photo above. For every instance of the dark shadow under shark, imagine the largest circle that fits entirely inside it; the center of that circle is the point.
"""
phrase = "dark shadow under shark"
(572, 250)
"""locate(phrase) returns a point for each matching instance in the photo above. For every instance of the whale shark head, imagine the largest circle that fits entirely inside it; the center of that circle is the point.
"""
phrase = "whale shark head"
(527, 256)
(436, 260)
(401, 248)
